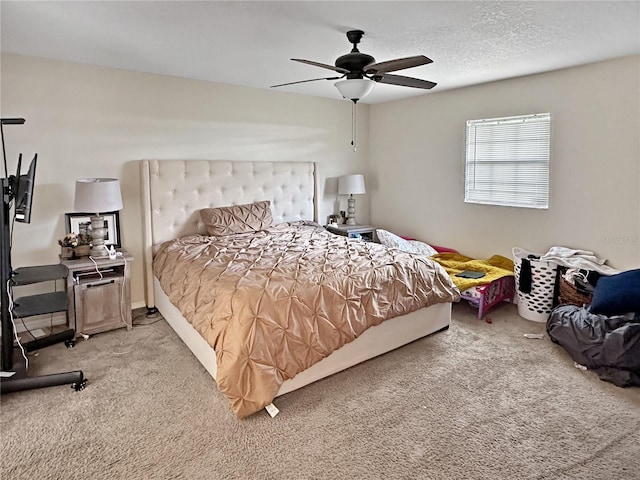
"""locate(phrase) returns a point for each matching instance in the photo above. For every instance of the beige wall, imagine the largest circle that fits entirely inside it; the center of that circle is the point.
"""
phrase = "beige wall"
(89, 121)
(417, 164)
(86, 121)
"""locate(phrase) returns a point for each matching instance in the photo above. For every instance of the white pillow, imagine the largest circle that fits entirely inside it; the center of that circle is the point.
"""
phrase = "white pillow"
(392, 240)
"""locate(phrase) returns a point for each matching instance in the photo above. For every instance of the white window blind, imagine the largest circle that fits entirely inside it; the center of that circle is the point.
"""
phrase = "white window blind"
(507, 161)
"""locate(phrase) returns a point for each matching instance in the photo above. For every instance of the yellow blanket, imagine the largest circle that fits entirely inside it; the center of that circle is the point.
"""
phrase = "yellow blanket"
(494, 268)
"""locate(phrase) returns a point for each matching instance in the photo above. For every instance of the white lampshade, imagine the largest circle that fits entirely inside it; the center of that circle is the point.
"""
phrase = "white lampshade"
(351, 185)
(354, 88)
(97, 195)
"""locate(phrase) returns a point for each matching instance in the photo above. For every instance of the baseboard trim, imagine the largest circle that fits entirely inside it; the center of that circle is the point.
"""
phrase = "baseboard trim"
(141, 304)
(42, 321)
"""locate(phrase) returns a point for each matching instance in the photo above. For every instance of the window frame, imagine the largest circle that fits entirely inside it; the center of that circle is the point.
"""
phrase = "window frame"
(533, 140)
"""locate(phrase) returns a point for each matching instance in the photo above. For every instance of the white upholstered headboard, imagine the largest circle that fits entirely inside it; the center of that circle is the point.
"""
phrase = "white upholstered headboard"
(174, 191)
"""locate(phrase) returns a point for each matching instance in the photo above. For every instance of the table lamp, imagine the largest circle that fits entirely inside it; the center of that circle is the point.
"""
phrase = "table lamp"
(99, 195)
(351, 185)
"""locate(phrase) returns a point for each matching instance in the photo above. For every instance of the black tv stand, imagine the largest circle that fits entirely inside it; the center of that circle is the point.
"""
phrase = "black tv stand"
(12, 359)
(21, 381)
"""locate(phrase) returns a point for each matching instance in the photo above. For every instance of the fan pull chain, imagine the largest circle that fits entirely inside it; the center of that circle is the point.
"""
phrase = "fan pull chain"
(354, 125)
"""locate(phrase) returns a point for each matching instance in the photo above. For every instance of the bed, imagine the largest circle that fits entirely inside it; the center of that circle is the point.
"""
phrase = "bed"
(174, 192)
(497, 284)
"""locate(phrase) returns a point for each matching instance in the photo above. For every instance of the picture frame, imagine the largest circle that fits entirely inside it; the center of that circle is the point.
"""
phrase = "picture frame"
(76, 222)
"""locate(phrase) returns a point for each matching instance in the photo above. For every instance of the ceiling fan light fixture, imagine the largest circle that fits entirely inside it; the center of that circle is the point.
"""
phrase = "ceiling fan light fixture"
(355, 88)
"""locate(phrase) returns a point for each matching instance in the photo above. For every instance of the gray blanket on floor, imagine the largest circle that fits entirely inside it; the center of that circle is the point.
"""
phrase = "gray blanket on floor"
(608, 345)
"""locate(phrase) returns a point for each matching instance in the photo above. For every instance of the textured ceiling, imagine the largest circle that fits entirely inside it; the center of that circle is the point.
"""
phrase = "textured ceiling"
(250, 43)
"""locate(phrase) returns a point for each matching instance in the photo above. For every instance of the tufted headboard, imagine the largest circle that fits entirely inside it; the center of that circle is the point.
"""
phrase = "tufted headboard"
(174, 191)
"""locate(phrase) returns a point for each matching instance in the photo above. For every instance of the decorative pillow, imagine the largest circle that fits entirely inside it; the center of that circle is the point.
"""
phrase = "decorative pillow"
(237, 218)
(412, 246)
(617, 295)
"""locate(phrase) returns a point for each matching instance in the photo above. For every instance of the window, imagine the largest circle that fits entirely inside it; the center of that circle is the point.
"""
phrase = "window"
(507, 161)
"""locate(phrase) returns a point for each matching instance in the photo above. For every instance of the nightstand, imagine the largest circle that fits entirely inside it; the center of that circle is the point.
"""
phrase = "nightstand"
(99, 293)
(364, 232)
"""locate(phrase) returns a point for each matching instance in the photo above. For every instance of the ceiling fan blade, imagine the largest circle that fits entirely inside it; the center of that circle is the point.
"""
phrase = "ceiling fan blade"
(322, 65)
(397, 64)
(305, 81)
(404, 81)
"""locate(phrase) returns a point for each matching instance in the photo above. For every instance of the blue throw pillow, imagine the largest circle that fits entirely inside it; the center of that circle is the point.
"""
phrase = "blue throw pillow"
(617, 295)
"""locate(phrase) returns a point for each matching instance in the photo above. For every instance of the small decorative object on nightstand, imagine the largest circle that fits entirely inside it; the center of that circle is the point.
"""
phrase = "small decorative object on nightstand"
(74, 245)
(351, 185)
(363, 232)
(99, 293)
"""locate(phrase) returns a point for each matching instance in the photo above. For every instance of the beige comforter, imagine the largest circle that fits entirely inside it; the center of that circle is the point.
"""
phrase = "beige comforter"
(275, 302)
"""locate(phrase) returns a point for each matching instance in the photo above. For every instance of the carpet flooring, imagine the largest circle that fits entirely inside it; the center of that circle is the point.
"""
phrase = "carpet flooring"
(478, 401)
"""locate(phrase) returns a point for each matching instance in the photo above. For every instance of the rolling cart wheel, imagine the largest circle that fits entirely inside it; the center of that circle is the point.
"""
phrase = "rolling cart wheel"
(79, 385)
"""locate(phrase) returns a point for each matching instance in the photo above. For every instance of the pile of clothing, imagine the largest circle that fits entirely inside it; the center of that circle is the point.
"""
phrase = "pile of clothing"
(605, 335)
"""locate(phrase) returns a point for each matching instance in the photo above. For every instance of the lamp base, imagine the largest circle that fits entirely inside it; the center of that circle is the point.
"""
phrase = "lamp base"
(351, 211)
(99, 251)
(98, 232)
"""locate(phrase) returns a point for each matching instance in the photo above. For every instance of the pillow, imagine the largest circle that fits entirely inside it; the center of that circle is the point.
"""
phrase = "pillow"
(617, 295)
(237, 218)
(392, 240)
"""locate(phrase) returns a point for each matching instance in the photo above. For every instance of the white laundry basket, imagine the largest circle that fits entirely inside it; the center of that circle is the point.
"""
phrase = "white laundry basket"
(537, 304)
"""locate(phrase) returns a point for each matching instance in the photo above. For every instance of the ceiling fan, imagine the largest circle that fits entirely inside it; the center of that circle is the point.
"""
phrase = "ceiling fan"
(362, 71)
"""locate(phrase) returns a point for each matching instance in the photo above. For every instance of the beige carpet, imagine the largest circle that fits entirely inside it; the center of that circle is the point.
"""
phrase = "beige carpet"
(479, 401)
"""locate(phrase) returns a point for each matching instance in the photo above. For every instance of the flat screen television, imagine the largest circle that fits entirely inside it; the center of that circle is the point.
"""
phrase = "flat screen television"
(24, 191)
